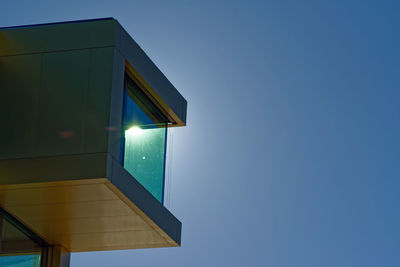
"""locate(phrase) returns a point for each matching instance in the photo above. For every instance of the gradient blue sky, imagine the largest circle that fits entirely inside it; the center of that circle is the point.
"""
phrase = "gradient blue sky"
(291, 153)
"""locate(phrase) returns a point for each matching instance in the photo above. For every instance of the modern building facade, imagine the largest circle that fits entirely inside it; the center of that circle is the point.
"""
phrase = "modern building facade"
(84, 117)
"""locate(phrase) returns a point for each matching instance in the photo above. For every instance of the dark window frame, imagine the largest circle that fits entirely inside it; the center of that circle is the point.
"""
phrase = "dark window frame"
(4, 215)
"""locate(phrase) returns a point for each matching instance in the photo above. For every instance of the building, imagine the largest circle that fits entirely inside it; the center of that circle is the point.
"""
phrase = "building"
(84, 118)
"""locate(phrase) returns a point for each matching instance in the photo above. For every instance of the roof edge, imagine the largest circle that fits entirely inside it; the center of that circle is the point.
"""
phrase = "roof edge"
(54, 23)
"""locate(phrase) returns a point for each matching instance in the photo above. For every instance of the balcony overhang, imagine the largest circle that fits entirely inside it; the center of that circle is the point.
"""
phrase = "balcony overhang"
(85, 213)
(61, 105)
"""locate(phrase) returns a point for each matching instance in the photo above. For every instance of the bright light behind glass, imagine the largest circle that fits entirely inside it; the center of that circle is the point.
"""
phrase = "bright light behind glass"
(134, 131)
(144, 158)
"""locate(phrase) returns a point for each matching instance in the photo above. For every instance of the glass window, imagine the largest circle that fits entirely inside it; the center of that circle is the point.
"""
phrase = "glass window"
(145, 136)
(17, 249)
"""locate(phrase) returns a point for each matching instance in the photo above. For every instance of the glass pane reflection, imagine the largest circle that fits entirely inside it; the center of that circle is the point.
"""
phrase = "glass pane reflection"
(145, 132)
(20, 261)
(16, 248)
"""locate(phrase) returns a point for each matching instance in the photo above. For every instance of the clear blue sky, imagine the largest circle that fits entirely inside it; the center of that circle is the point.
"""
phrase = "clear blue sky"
(291, 156)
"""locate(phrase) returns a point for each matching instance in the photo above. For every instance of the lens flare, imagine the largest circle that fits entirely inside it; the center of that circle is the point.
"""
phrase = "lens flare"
(134, 131)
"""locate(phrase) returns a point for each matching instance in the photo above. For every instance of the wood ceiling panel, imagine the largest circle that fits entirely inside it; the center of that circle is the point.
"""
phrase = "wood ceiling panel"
(52, 194)
(89, 241)
(82, 216)
(90, 225)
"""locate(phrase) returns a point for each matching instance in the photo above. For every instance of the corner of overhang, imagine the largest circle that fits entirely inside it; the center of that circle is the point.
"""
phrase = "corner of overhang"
(122, 183)
(149, 77)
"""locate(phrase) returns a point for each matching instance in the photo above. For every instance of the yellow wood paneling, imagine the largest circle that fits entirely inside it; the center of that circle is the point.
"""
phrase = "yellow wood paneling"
(82, 215)
(50, 211)
(90, 225)
(55, 194)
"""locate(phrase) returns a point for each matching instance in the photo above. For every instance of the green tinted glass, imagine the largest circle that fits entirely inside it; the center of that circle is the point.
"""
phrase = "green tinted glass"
(20, 261)
(144, 158)
(145, 132)
(16, 248)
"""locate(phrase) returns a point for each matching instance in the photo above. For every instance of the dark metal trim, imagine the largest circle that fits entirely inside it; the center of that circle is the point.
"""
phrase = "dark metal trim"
(54, 23)
(15, 222)
(164, 168)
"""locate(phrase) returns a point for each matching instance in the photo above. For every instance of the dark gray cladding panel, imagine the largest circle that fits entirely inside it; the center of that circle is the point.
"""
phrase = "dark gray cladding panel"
(52, 169)
(116, 102)
(57, 37)
(55, 103)
(19, 91)
(98, 100)
(65, 80)
(151, 74)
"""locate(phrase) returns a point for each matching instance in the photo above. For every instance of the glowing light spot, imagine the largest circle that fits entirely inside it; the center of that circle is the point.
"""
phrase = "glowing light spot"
(134, 131)
(143, 157)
